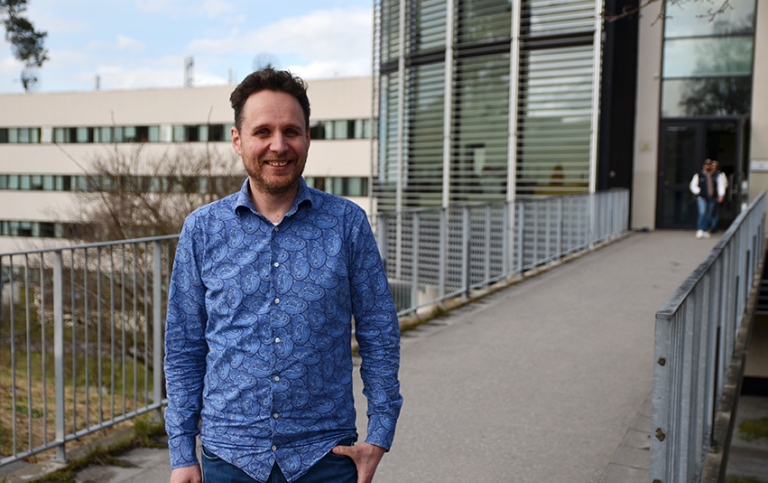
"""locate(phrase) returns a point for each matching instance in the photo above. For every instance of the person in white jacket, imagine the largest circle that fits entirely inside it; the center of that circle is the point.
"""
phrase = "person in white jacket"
(708, 185)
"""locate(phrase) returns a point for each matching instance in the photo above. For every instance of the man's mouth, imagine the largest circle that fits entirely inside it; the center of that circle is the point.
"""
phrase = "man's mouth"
(276, 163)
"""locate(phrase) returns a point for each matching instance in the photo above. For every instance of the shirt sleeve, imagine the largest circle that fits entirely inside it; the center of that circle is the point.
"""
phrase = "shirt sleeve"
(185, 349)
(377, 330)
(722, 185)
(694, 186)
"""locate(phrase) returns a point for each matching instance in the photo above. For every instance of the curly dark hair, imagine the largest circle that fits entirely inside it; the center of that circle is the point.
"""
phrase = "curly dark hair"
(272, 80)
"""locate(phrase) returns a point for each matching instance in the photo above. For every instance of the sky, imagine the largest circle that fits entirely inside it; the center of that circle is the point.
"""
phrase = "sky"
(134, 44)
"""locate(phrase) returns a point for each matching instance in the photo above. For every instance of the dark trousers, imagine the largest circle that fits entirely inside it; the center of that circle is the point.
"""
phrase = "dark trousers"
(330, 469)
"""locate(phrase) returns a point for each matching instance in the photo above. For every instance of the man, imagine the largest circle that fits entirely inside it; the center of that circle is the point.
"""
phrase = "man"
(709, 189)
(258, 334)
(721, 178)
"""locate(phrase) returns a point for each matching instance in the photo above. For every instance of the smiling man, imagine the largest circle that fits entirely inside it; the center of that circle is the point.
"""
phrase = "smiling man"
(264, 287)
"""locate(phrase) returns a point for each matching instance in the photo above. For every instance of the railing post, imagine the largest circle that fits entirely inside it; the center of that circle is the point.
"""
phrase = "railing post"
(58, 353)
(520, 220)
(416, 225)
(560, 227)
(465, 249)
(157, 327)
(443, 251)
(506, 239)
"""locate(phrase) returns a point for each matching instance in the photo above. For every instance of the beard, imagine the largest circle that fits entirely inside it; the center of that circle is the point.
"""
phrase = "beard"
(267, 181)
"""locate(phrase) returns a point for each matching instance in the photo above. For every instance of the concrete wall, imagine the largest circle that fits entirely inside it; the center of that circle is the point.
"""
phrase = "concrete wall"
(758, 166)
(645, 176)
(757, 351)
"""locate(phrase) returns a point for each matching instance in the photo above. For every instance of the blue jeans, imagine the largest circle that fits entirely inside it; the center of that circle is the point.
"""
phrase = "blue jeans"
(330, 469)
(706, 210)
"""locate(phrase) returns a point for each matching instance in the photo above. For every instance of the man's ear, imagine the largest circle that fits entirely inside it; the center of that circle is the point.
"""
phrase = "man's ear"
(236, 141)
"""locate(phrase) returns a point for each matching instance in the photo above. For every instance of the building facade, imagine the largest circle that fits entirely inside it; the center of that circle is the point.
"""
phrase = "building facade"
(699, 95)
(483, 100)
(50, 143)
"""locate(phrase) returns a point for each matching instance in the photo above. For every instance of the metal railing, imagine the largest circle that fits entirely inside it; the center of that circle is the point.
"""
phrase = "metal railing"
(80, 341)
(696, 333)
(436, 254)
(81, 328)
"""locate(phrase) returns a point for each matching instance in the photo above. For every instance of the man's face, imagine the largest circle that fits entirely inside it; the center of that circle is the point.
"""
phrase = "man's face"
(273, 141)
(708, 166)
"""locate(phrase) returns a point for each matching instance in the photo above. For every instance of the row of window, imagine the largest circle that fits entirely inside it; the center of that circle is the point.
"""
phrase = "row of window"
(166, 133)
(37, 229)
(342, 186)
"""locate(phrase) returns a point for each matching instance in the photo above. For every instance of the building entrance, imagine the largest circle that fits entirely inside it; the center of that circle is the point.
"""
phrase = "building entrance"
(684, 145)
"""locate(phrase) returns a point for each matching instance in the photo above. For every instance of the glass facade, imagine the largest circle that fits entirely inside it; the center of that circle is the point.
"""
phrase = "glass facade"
(465, 108)
(708, 56)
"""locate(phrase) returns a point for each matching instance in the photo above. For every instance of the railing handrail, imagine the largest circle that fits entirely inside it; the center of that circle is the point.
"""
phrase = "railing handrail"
(673, 302)
(697, 335)
(81, 246)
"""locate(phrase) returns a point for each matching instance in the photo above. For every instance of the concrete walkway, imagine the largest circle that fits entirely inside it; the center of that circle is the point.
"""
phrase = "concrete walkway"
(548, 380)
(545, 381)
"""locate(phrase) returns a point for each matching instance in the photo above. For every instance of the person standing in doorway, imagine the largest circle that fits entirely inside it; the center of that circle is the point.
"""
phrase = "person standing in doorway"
(264, 288)
(721, 178)
(709, 189)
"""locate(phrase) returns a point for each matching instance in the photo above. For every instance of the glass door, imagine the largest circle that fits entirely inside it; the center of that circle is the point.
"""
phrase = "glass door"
(680, 156)
(685, 144)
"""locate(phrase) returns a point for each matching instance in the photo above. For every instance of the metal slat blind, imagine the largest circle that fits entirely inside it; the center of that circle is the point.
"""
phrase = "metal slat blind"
(558, 18)
(390, 29)
(385, 186)
(480, 129)
(425, 136)
(554, 112)
(483, 21)
(555, 98)
(428, 20)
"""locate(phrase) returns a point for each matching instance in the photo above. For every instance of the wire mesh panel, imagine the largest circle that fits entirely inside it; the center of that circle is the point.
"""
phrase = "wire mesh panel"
(433, 254)
(84, 346)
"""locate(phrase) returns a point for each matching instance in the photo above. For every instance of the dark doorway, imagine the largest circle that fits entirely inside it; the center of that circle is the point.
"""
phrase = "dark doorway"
(683, 146)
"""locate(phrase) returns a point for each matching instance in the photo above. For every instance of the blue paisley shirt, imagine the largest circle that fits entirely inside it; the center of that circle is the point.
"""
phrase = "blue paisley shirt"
(258, 334)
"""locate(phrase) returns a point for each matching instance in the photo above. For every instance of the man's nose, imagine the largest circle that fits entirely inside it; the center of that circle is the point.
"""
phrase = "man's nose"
(279, 143)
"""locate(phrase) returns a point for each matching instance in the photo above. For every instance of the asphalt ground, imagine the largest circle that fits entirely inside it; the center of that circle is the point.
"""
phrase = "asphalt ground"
(548, 380)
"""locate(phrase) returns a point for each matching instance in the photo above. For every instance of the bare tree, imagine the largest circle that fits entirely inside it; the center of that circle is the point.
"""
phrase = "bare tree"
(134, 193)
(635, 8)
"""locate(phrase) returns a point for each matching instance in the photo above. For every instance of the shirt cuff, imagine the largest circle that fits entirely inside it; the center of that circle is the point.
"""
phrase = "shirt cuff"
(381, 431)
(182, 451)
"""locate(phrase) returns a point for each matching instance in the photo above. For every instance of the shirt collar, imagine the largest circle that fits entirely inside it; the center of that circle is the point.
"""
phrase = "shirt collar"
(304, 195)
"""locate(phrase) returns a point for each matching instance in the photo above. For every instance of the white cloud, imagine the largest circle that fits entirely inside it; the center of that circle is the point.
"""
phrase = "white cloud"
(139, 77)
(127, 43)
(323, 43)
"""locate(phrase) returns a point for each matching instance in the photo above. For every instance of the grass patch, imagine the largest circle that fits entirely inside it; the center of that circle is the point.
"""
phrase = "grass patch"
(754, 429)
(742, 479)
(145, 432)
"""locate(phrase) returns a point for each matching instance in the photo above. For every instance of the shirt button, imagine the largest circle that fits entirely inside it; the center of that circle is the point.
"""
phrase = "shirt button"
(277, 264)
(277, 301)
(277, 228)
(277, 339)
(277, 378)
(274, 448)
(275, 415)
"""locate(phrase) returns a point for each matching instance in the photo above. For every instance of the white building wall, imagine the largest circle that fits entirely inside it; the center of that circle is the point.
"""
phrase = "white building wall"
(758, 152)
(330, 99)
(648, 101)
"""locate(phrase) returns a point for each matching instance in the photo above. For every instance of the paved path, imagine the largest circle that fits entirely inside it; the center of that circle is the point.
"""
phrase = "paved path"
(545, 381)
